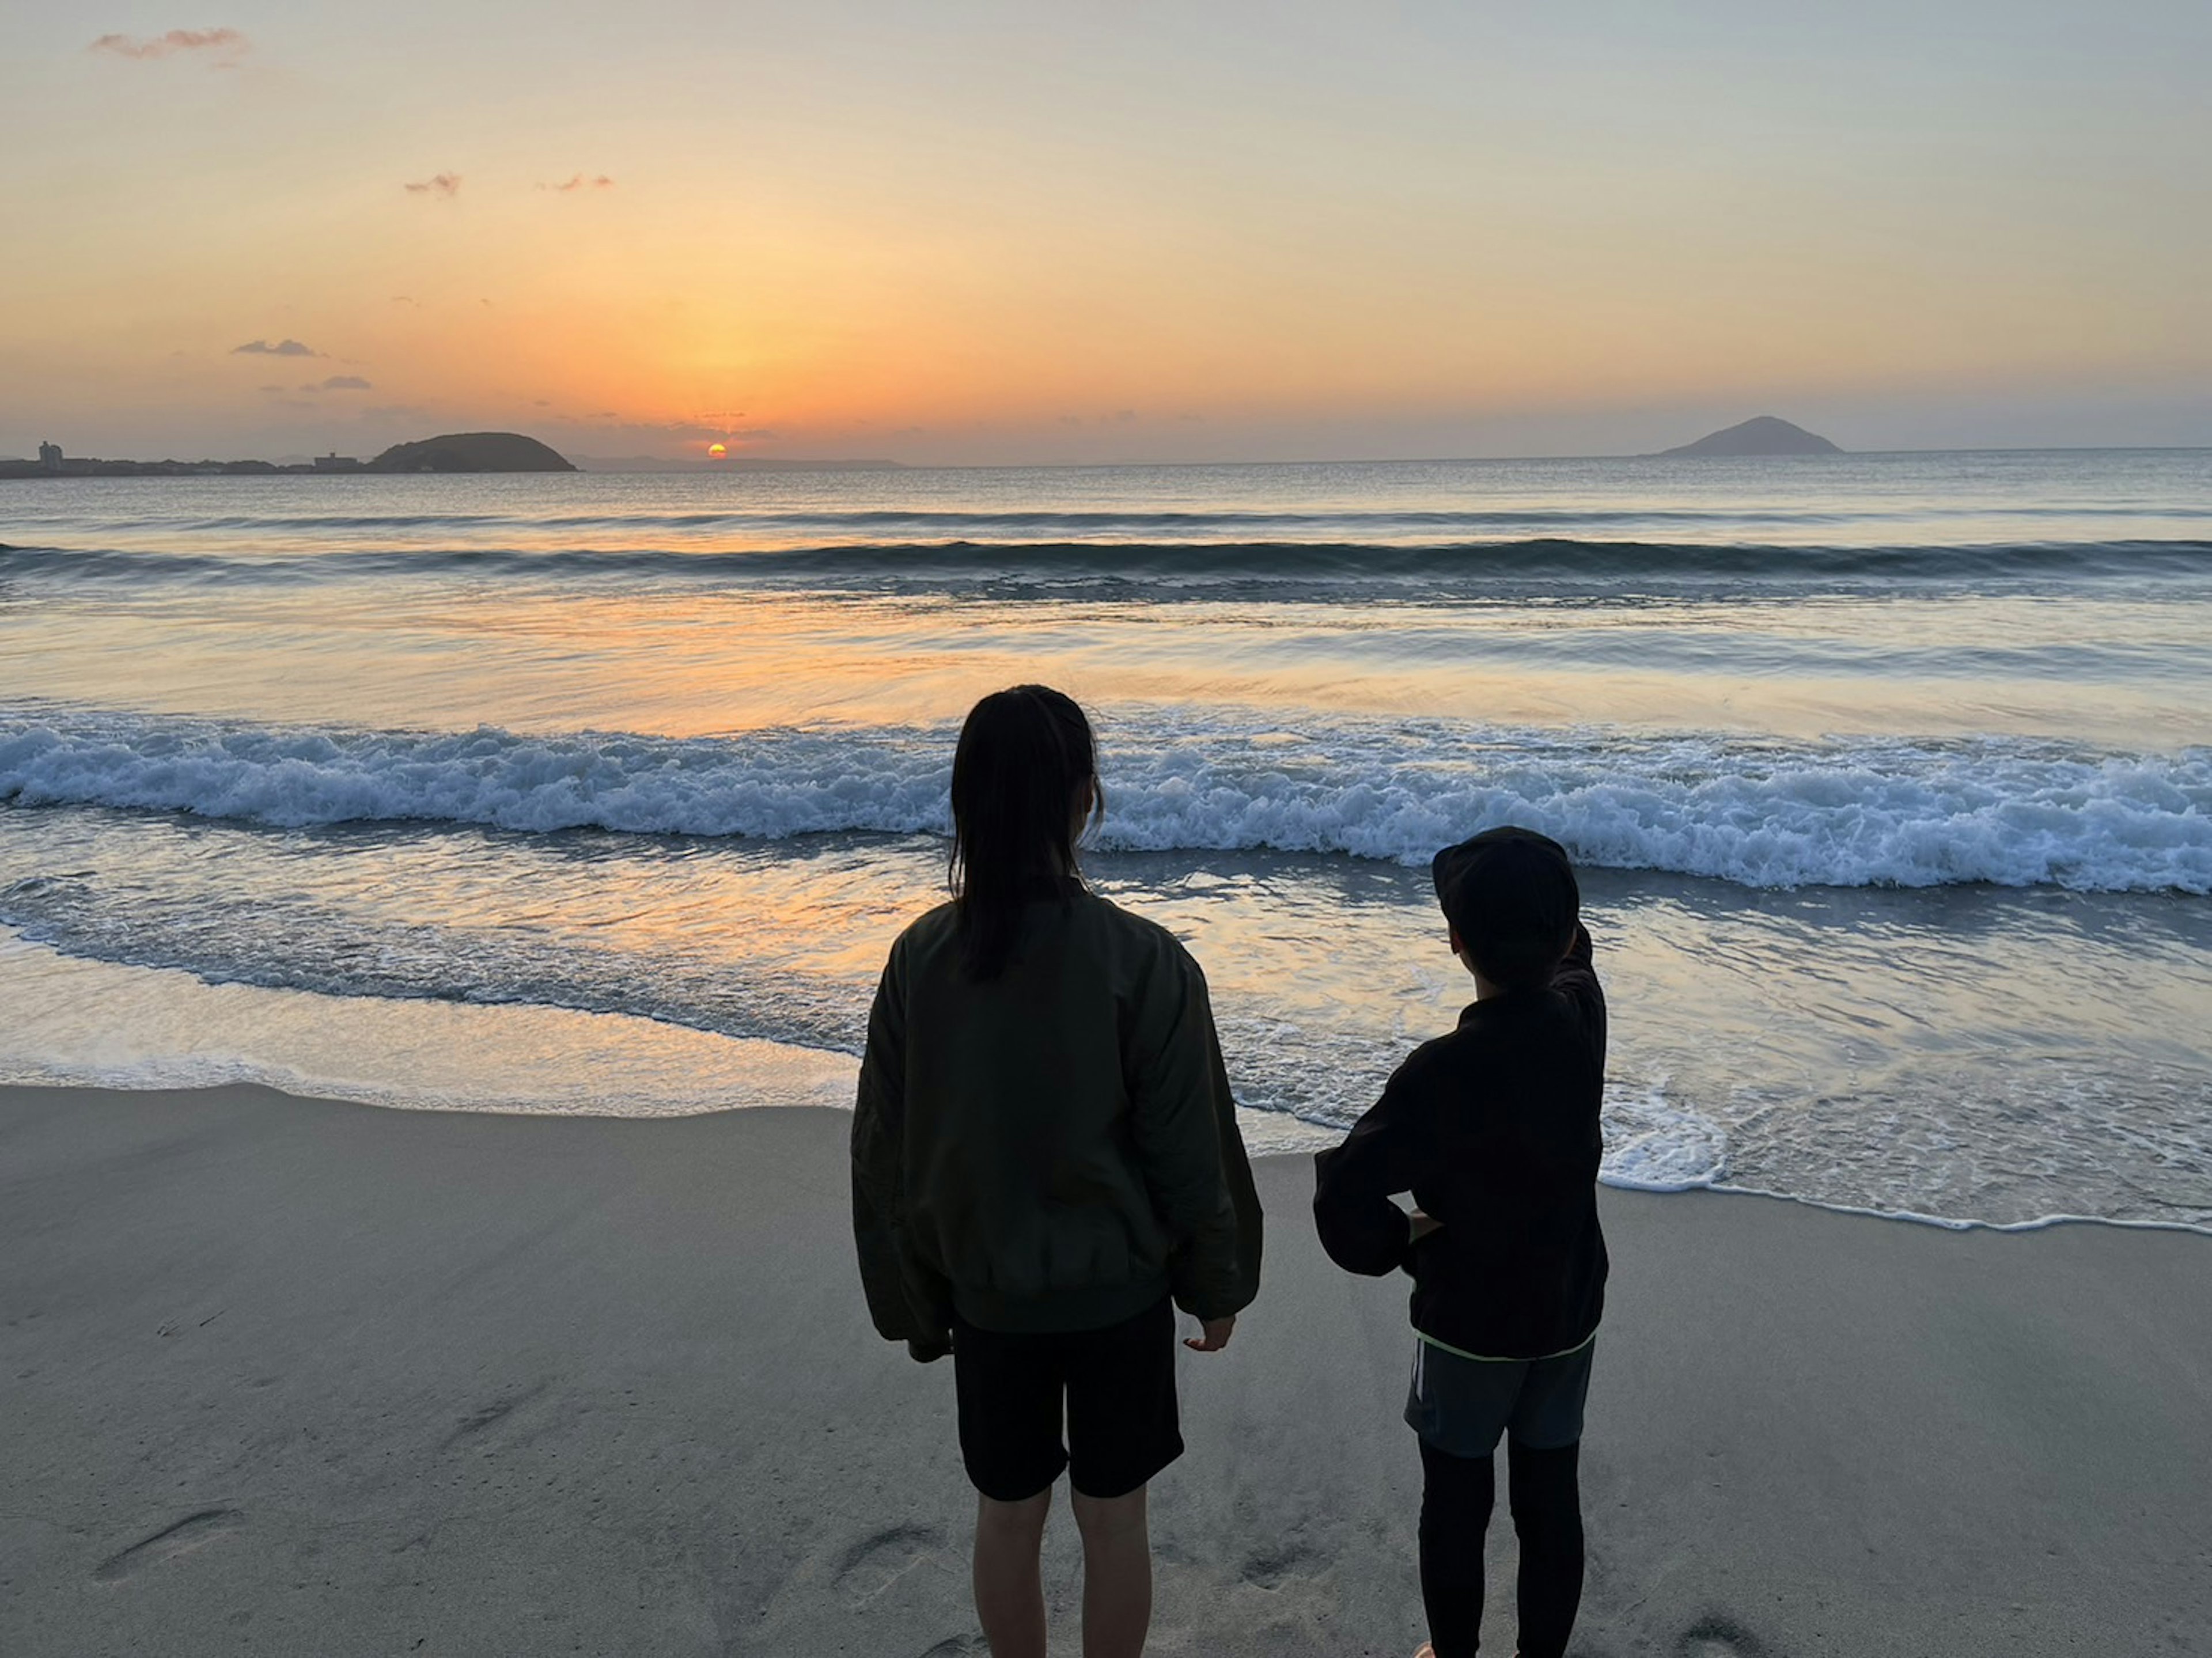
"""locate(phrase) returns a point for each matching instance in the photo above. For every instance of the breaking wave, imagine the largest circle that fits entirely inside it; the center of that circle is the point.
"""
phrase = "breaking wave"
(1422, 560)
(1766, 813)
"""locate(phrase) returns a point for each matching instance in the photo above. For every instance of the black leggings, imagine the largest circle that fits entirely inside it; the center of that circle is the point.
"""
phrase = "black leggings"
(1546, 1498)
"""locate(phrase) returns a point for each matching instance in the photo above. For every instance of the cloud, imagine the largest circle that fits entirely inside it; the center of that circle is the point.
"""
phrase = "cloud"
(225, 45)
(599, 181)
(448, 185)
(345, 383)
(282, 349)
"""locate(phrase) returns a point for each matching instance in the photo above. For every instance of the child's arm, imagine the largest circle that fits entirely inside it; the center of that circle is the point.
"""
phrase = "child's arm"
(1363, 1231)
(1184, 1121)
(879, 1121)
(1575, 978)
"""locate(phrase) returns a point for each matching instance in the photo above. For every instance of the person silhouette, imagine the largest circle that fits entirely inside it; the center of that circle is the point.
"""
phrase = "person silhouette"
(1046, 1164)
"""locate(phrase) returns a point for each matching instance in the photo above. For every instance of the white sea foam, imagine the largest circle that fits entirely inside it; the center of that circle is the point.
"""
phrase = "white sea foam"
(1767, 814)
(1654, 1144)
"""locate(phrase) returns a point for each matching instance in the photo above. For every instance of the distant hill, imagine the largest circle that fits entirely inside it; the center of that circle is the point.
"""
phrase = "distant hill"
(470, 451)
(1762, 434)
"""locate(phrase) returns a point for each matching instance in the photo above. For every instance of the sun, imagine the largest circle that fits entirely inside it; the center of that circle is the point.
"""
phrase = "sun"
(718, 451)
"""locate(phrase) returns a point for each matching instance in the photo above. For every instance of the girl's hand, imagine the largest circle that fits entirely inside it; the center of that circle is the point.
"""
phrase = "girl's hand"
(1213, 1335)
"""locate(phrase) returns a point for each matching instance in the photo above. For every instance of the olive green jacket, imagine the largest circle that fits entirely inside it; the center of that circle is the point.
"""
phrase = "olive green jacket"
(1053, 1149)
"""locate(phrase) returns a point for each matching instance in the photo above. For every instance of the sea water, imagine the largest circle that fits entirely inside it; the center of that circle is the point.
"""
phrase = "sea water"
(1890, 778)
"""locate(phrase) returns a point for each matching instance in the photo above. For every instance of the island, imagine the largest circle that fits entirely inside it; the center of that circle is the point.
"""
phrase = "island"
(1762, 434)
(470, 451)
(455, 451)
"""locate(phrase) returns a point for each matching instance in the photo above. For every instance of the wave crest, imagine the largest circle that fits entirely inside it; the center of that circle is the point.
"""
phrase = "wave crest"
(1419, 564)
(1766, 814)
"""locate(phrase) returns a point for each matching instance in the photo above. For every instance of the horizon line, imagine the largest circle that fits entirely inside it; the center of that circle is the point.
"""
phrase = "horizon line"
(677, 465)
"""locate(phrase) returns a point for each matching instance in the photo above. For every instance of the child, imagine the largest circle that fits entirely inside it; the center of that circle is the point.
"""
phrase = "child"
(1045, 1162)
(1493, 1128)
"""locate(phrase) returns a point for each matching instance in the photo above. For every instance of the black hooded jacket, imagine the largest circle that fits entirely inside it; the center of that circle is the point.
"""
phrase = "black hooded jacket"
(1494, 1130)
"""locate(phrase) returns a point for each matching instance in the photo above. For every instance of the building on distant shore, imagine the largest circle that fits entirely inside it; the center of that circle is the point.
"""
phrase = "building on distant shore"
(50, 457)
(335, 462)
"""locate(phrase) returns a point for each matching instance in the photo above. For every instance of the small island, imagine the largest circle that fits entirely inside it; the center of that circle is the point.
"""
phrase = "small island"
(1762, 434)
(470, 451)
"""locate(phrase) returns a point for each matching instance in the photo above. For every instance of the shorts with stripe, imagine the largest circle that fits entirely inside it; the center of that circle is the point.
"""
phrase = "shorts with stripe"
(1462, 1405)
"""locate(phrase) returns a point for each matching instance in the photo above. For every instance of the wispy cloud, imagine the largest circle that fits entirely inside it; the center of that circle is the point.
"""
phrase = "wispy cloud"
(223, 47)
(581, 181)
(448, 185)
(281, 349)
(341, 383)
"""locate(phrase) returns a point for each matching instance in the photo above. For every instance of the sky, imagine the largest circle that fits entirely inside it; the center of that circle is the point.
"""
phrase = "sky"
(969, 233)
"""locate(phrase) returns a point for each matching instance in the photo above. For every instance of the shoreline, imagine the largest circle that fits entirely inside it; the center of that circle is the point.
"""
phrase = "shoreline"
(796, 1076)
(290, 1375)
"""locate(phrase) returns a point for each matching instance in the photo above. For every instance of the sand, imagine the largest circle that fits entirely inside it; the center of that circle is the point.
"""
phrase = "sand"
(290, 1377)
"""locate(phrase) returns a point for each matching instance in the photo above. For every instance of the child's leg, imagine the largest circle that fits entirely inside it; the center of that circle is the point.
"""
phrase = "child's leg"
(1456, 1495)
(1544, 1492)
(1008, 1576)
(1118, 1573)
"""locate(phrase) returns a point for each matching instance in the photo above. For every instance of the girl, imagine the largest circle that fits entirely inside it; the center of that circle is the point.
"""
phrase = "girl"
(1045, 1156)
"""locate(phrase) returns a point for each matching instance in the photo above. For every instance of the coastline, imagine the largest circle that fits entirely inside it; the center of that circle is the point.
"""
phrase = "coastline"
(287, 1374)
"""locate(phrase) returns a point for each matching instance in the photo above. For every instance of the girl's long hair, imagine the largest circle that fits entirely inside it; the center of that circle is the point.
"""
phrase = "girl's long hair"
(1017, 779)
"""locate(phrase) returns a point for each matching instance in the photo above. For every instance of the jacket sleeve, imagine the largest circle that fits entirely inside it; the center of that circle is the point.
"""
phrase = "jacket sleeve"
(1193, 1157)
(1575, 978)
(1361, 1228)
(878, 1174)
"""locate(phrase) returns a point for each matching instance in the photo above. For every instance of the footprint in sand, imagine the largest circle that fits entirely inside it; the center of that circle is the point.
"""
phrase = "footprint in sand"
(875, 1563)
(493, 1412)
(193, 1530)
(1718, 1637)
(1271, 1567)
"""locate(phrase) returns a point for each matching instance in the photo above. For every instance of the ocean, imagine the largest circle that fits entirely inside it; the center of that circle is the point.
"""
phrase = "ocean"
(1890, 777)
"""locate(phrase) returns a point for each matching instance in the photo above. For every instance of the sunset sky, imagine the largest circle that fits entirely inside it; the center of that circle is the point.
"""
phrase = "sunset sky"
(977, 232)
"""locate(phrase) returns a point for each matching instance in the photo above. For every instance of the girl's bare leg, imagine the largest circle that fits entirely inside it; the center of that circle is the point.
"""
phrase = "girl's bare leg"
(1009, 1585)
(1117, 1574)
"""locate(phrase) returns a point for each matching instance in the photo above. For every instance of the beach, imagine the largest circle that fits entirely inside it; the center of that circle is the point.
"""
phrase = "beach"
(516, 532)
(288, 1376)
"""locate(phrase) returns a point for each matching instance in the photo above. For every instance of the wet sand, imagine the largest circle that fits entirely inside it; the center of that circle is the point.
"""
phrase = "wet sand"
(286, 1376)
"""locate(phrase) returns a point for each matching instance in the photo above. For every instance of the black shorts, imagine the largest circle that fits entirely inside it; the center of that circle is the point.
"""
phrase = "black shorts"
(1114, 1389)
